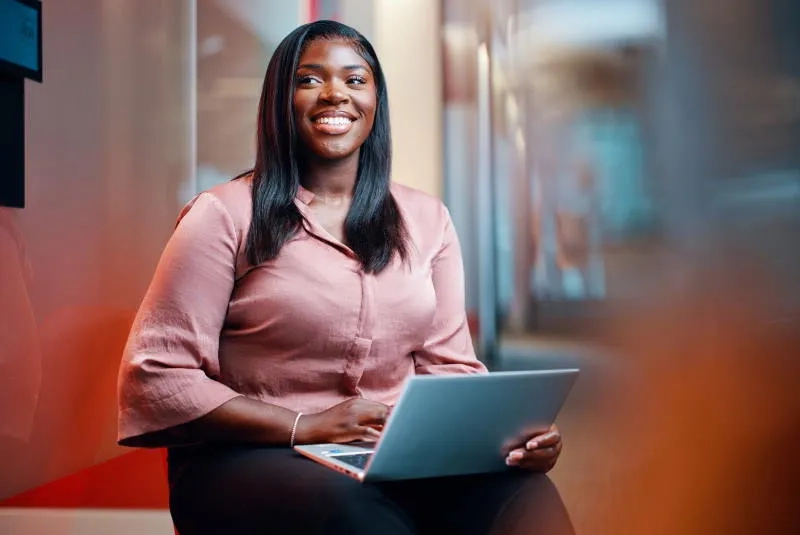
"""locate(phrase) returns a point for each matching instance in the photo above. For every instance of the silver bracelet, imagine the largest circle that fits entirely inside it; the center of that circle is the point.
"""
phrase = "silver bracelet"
(294, 429)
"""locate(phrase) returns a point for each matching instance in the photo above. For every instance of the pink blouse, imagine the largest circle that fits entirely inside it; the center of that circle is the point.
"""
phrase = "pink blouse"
(304, 331)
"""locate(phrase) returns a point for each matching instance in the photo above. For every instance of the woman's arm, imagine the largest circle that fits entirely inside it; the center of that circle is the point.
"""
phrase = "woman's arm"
(167, 391)
(448, 346)
(241, 419)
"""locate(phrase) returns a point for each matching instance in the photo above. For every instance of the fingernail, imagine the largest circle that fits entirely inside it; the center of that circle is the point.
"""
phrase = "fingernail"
(515, 455)
(532, 445)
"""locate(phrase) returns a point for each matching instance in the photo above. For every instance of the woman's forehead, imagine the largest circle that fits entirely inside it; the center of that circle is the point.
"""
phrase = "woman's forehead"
(332, 53)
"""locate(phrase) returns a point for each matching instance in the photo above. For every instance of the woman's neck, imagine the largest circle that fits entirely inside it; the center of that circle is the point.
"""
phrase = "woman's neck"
(330, 180)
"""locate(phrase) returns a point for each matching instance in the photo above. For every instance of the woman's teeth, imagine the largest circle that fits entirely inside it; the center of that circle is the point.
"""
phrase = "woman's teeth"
(337, 121)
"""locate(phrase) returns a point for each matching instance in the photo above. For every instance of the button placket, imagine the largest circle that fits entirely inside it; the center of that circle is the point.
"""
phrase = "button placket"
(359, 350)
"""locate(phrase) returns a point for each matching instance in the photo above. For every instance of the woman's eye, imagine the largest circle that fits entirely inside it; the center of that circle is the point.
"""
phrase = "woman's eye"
(358, 80)
(306, 80)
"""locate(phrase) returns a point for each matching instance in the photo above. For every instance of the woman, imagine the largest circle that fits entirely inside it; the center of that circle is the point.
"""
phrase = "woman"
(289, 307)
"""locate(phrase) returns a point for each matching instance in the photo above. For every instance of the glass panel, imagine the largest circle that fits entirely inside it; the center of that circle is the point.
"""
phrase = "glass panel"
(586, 178)
(234, 43)
(107, 140)
(625, 137)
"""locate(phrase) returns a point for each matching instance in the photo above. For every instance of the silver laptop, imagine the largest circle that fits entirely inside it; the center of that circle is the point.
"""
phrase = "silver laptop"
(447, 425)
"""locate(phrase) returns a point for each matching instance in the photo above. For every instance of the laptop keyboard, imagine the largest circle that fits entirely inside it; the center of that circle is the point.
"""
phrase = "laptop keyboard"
(359, 460)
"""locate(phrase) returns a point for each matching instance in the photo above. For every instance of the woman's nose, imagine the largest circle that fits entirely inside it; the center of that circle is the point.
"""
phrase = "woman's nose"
(333, 93)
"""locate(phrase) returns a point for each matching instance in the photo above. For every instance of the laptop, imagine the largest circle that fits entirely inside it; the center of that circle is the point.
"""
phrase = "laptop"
(445, 425)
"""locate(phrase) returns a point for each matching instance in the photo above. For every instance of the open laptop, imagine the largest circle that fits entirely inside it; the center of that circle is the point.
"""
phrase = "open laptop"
(447, 425)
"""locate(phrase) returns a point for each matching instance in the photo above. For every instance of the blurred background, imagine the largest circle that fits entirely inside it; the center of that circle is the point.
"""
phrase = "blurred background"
(624, 176)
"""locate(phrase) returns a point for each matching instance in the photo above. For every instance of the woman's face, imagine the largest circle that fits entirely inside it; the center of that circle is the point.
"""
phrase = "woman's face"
(334, 99)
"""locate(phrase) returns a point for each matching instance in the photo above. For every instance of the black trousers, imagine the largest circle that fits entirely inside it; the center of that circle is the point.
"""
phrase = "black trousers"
(238, 490)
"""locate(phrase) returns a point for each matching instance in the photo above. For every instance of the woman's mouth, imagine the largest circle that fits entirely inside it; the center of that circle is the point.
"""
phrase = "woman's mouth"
(333, 125)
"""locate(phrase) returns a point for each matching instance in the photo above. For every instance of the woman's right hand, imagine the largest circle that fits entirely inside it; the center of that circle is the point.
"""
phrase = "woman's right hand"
(352, 420)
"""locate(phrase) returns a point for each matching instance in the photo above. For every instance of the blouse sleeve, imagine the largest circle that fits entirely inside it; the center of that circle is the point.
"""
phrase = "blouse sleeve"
(448, 347)
(167, 374)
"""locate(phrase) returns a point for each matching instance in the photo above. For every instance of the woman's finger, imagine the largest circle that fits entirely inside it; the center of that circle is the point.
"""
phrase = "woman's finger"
(533, 459)
(542, 453)
(536, 463)
(515, 456)
(374, 415)
(549, 439)
(370, 433)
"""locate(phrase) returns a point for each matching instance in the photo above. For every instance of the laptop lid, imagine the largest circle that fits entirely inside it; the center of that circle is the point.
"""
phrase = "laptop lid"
(461, 424)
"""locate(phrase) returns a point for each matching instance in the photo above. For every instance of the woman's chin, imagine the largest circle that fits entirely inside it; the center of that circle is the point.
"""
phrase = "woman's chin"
(334, 154)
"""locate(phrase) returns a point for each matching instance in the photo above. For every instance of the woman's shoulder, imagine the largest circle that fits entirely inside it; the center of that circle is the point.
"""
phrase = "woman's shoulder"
(234, 197)
(420, 206)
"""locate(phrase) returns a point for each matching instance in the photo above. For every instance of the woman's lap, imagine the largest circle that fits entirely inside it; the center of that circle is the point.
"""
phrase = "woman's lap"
(244, 490)
(514, 502)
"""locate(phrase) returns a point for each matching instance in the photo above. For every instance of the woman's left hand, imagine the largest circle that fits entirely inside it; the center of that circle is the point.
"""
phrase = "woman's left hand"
(539, 453)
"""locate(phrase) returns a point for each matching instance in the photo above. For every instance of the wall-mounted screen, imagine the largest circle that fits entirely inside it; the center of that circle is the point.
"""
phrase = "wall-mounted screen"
(21, 38)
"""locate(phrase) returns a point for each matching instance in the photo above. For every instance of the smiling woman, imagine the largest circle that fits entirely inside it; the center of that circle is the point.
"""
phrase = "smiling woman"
(290, 306)
(320, 73)
(334, 98)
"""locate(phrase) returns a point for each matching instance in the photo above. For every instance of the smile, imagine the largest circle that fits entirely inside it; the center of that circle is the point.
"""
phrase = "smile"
(333, 125)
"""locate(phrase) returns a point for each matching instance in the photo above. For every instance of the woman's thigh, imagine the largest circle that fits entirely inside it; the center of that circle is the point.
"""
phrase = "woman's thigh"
(507, 503)
(252, 490)
(536, 509)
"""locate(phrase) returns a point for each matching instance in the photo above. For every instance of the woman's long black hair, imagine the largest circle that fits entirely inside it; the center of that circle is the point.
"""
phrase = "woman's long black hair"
(374, 227)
